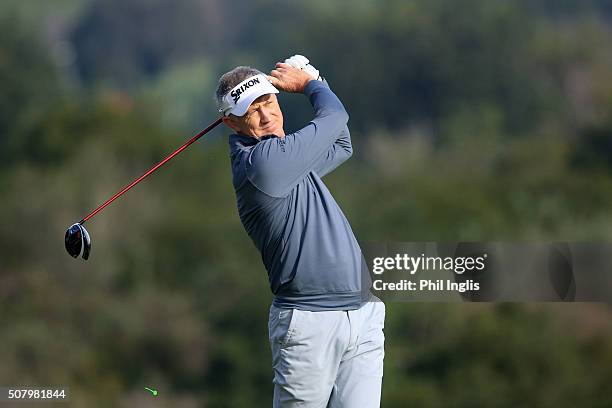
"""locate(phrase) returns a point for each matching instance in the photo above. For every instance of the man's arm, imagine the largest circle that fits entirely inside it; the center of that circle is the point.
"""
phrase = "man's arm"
(276, 165)
(338, 153)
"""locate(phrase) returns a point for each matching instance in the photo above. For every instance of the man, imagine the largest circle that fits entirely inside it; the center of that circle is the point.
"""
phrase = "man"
(325, 328)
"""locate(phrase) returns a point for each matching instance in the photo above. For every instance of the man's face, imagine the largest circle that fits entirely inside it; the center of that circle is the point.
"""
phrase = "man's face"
(264, 117)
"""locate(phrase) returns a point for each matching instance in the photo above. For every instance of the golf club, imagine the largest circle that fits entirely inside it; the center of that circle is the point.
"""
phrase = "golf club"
(77, 239)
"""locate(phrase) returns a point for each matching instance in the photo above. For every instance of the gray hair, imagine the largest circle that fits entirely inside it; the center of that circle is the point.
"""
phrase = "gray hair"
(231, 79)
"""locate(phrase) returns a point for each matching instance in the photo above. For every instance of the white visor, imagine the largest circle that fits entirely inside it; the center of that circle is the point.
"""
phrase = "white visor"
(238, 100)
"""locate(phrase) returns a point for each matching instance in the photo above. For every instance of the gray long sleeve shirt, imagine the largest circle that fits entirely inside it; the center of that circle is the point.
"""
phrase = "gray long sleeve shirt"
(307, 246)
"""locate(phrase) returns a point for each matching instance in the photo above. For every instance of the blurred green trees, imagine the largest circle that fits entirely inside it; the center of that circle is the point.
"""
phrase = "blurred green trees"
(29, 87)
(472, 120)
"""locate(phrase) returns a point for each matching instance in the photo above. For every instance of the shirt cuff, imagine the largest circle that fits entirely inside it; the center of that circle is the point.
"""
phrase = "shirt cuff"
(313, 85)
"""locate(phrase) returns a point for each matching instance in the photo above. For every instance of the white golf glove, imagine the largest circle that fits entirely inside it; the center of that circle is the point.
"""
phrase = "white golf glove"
(301, 62)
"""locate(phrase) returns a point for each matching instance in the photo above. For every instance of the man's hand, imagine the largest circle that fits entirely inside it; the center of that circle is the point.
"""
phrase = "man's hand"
(289, 79)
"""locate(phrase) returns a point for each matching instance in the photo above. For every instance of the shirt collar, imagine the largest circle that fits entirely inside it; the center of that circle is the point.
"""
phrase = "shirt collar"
(247, 140)
(242, 139)
(240, 143)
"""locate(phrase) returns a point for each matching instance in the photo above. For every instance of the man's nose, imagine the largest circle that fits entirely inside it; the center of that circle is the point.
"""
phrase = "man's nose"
(264, 115)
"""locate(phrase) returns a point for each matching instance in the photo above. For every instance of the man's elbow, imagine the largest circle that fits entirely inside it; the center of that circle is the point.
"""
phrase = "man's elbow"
(344, 154)
(338, 113)
(349, 152)
(341, 118)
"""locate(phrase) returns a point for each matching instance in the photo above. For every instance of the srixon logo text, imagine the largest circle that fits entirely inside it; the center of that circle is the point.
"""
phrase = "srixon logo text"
(237, 92)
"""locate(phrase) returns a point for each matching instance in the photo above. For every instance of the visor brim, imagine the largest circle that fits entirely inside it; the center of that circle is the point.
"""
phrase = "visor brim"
(243, 105)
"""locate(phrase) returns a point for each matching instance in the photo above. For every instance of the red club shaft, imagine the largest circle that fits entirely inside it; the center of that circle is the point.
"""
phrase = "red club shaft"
(157, 166)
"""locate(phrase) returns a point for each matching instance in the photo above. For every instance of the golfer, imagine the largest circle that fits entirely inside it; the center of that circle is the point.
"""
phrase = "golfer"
(325, 328)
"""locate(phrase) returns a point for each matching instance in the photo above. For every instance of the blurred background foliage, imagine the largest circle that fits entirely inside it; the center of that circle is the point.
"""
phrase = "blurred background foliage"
(471, 120)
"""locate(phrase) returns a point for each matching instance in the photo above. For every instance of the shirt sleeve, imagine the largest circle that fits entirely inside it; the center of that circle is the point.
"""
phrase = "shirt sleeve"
(338, 153)
(276, 165)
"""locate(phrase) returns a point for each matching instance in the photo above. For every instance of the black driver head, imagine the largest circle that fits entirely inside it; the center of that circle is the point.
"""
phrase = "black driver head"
(77, 241)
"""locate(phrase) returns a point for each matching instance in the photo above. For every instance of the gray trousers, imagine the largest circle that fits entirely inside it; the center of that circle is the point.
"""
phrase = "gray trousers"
(331, 359)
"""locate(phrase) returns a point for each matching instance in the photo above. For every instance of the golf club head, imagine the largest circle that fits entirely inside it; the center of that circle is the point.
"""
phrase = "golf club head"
(77, 241)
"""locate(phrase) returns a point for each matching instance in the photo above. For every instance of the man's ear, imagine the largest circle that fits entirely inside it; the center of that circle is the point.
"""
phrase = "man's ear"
(231, 123)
